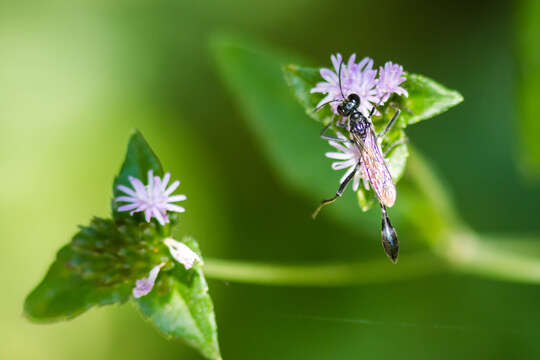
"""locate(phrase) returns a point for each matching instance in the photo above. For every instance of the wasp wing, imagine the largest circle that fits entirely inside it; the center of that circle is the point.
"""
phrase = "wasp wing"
(374, 166)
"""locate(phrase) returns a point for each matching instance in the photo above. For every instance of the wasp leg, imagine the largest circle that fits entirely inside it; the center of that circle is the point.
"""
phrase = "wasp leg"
(394, 145)
(342, 187)
(395, 105)
(332, 138)
(390, 124)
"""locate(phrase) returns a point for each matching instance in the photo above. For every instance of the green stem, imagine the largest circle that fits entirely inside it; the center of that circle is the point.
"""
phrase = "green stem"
(469, 253)
(464, 250)
(455, 248)
(355, 273)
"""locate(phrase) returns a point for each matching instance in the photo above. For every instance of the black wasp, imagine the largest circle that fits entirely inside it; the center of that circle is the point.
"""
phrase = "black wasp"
(371, 163)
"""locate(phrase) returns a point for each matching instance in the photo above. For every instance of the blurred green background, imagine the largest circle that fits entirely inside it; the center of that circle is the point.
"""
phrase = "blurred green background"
(76, 78)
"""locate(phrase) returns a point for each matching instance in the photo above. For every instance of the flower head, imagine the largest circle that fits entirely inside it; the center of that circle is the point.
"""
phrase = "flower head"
(145, 285)
(349, 157)
(363, 82)
(182, 253)
(390, 77)
(360, 79)
(154, 199)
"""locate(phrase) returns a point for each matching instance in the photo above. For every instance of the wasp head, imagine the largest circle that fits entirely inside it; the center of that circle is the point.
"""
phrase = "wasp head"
(349, 105)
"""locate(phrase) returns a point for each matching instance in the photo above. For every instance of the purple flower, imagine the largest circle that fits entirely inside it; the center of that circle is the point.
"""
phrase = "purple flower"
(350, 156)
(390, 77)
(360, 79)
(145, 285)
(154, 199)
(363, 80)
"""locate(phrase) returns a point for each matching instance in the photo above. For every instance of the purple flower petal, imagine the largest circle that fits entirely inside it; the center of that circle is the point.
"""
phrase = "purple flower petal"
(145, 285)
(153, 199)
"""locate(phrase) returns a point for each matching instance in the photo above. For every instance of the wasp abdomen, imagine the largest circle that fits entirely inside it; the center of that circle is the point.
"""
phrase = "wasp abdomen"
(389, 238)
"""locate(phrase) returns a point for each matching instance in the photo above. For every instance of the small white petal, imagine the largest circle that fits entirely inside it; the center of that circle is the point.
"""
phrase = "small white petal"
(126, 190)
(145, 285)
(125, 199)
(337, 156)
(137, 185)
(356, 182)
(171, 188)
(158, 216)
(148, 215)
(340, 165)
(127, 207)
(150, 179)
(176, 198)
(176, 208)
(182, 253)
(165, 181)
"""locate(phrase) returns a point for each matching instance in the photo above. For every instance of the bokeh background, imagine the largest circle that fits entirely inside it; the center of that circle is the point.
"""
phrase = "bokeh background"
(75, 78)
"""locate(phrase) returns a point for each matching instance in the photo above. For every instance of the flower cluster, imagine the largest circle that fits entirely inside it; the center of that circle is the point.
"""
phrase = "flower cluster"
(349, 157)
(155, 199)
(360, 79)
(372, 86)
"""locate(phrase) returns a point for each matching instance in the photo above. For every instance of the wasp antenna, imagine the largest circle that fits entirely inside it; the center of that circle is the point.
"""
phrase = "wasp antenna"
(374, 107)
(326, 103)
(339, 78)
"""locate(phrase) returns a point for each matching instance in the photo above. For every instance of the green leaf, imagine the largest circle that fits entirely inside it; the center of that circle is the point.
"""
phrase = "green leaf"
(103, 261)
(98, 267)
(181, 307)
(529, 84)
(139, 160)
(288, 138)
(301, 80)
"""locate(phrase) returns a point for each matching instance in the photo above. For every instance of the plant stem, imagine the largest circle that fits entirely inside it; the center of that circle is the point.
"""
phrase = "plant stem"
(455, 248)
(471, 254)
(355, 273)
(464, 250)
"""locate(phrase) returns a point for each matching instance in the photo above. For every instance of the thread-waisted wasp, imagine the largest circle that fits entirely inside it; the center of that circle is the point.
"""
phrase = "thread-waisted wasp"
(371, 163)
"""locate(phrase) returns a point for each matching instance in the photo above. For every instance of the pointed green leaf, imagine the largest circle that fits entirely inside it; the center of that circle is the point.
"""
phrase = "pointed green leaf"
(181, 307)
(290, 141)
(529, 84)
(139, 160)
(426, 99)
(98, 267)
(288, 138)
(103, 261)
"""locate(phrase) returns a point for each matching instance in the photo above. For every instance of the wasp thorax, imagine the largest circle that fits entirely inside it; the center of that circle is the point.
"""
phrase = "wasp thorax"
(359, 125)
(389, 239)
